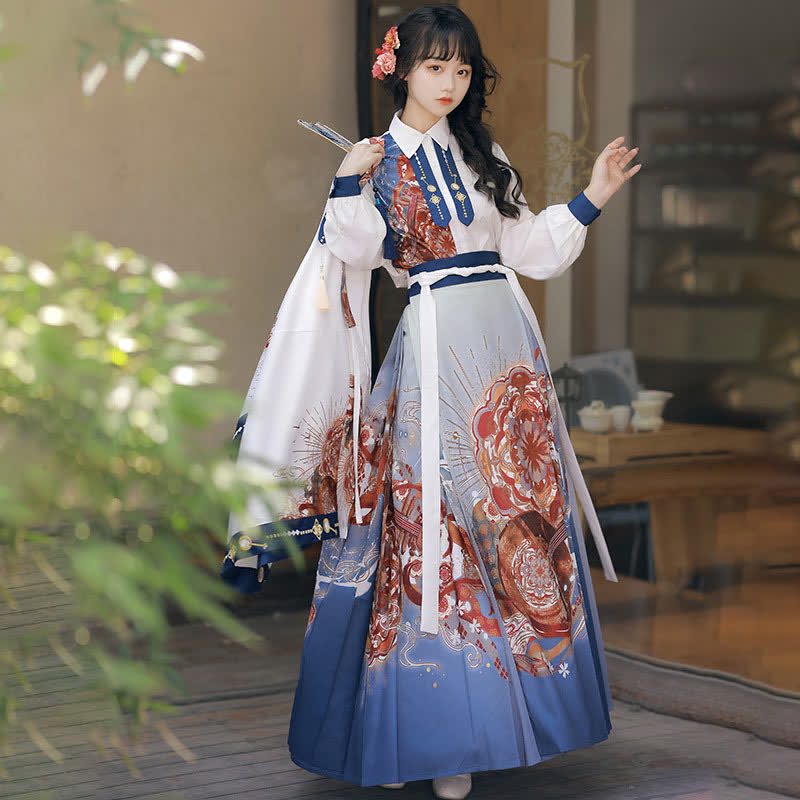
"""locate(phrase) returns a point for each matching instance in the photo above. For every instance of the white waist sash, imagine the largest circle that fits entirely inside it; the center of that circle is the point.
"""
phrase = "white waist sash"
(431, 481)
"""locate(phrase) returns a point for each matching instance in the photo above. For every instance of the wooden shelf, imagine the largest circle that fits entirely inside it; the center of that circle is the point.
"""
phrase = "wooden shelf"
(679, 132)
(667, 297)
(716, 239)
(675, 442)
(692, 103)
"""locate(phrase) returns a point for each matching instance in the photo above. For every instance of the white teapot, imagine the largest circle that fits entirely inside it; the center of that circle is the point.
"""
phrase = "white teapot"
(595, 417)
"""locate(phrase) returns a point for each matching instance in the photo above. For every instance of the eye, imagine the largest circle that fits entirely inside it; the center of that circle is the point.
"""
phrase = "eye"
(465, 71)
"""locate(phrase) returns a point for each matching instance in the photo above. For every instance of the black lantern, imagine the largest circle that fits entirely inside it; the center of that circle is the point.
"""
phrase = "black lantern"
(568, 383)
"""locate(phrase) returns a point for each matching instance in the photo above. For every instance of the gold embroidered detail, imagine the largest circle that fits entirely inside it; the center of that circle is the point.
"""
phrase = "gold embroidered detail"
(460, 196)
(260, 574)
(246, 543)
(431, 187)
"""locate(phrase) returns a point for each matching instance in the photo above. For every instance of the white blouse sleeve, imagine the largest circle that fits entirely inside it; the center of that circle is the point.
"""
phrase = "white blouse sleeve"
(354, 228)
(546, 244)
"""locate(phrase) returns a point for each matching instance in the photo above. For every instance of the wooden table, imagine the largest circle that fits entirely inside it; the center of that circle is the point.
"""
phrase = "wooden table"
(698, 480)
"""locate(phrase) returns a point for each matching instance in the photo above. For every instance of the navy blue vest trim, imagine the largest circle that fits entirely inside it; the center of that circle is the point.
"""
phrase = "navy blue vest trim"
(440, 213)
(266, 543)
(321, 231)
(475, 258)
(584, 209)
(240, 423)
(455, 184)
(389, 246)
(453, 280)
(345, 186)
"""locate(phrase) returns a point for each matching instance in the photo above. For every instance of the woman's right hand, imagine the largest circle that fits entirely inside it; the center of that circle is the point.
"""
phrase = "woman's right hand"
(362, 158)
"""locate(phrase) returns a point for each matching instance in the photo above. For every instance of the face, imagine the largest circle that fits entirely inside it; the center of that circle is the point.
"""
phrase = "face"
(434, 78)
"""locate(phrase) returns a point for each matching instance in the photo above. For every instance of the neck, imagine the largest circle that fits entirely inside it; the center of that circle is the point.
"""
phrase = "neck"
(415, 116)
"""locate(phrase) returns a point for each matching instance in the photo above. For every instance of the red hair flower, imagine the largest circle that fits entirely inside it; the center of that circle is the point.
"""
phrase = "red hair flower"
(385, 62)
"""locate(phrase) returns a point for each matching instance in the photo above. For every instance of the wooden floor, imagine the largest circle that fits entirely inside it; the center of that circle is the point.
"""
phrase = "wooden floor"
(232, 731)
(749, 628)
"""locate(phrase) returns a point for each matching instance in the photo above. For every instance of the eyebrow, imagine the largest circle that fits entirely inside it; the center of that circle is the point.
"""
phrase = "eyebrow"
(445, 60)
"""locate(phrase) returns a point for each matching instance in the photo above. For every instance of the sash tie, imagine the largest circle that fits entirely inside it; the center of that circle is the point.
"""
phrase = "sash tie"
(421, 280)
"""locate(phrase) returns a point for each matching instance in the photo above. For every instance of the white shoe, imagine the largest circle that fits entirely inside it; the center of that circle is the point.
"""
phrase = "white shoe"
(392, 785)
(453, 787)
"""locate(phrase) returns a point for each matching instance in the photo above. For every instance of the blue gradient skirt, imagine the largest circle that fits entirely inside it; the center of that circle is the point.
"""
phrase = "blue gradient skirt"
(517, 672)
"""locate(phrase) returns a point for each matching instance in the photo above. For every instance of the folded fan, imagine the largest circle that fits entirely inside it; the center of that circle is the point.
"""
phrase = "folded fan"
(327, 133)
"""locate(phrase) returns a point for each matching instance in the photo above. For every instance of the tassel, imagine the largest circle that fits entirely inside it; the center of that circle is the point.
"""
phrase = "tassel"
(322, 291)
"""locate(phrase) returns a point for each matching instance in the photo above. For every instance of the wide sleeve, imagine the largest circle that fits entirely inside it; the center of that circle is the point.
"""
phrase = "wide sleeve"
(354, 228)
(546, 244)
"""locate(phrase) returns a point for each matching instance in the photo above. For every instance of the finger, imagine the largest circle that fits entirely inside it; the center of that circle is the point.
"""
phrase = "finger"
(615, 143)
(632, 171)
(631, 155)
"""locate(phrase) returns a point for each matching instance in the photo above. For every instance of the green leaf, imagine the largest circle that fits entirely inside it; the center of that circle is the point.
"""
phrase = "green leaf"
(85, 51)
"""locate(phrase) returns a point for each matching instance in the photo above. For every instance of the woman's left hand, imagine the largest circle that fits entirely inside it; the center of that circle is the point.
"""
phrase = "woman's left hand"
(608, 173)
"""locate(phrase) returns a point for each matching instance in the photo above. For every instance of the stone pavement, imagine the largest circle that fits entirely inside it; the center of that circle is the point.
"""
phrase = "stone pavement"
(232, 728)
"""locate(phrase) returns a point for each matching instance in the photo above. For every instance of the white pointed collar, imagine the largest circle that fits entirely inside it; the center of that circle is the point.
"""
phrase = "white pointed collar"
(409, 139)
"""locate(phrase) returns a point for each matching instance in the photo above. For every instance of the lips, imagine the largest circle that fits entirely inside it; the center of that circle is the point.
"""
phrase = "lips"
(445, 99)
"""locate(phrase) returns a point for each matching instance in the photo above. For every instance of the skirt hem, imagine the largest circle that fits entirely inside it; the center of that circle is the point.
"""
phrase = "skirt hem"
(513, 764)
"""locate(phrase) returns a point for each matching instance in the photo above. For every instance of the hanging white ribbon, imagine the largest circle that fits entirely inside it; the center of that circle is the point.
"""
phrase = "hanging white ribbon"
(429, 396)
(431, 484)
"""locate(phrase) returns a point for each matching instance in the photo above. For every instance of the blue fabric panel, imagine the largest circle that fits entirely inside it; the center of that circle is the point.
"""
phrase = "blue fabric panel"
(455, 184)
(389, 246)
(345, 186)
(475, 258)
(584, 209)
(270, 548)
(440, 213)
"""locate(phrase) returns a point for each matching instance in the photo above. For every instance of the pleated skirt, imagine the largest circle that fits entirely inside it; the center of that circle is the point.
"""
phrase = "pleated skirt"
(516, 673)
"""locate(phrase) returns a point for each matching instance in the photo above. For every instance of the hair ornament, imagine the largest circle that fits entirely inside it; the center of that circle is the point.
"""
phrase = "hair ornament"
(385, 62)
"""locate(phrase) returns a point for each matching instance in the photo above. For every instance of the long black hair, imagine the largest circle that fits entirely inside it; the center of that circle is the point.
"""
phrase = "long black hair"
(440, 31)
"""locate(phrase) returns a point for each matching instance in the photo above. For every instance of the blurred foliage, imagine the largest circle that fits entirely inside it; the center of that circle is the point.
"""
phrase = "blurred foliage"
(114, 507)
(132, 47)
(107, 490)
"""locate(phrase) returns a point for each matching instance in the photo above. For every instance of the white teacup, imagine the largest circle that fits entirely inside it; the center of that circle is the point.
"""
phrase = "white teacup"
(653, 394)
(620, 416)
(647, 408)
(658, 399)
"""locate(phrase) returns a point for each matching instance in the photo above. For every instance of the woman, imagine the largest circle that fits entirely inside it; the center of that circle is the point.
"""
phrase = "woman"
(453, 627)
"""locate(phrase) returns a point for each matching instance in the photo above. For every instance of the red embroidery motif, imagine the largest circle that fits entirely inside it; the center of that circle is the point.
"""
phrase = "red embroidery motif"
(515, 447)
(419, 239)
(346, 310)
(537, 575)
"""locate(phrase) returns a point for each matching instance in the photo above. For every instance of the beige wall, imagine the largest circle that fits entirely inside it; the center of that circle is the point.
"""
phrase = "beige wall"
(208, 171)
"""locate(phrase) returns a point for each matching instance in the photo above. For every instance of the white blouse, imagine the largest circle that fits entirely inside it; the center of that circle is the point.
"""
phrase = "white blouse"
(540, 246)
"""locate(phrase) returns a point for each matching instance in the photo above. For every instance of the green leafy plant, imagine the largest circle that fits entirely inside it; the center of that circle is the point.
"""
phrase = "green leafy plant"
(108, 491)
(114, 505)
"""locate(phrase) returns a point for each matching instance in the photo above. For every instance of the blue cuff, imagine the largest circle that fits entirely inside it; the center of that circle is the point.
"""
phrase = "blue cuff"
(345, 186)
(584, 209)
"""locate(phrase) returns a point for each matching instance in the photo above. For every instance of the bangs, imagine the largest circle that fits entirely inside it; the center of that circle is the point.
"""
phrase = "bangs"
(443, 45)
